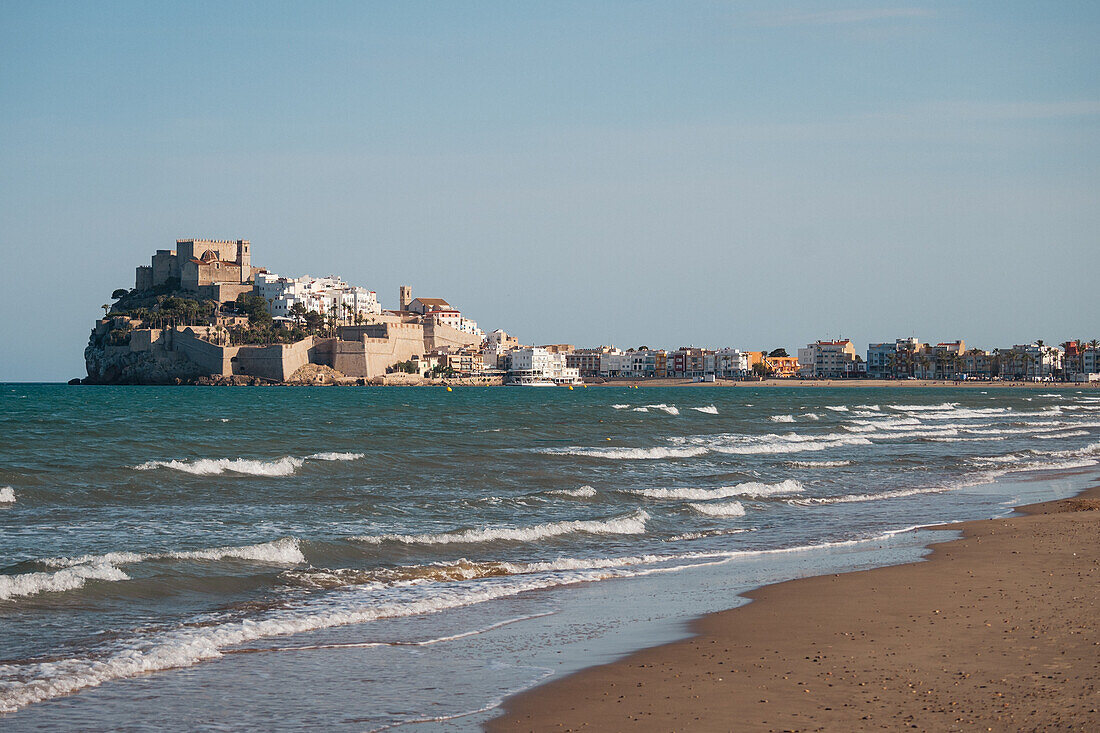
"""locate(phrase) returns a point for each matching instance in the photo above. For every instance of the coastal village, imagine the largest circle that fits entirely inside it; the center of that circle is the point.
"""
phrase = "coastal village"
(203, 313)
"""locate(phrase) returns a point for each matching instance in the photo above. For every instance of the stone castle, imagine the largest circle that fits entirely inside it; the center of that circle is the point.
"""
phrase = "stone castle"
(213, 269)
(123, 350)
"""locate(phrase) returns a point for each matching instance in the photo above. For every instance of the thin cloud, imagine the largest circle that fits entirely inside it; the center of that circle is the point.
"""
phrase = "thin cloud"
(844, 17)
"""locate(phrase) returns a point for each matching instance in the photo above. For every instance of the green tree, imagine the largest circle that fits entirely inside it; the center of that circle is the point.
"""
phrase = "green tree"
(120, 293)
(781, 352)
(255, 307)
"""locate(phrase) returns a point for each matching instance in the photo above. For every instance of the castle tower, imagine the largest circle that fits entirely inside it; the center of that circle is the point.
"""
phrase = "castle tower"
(405, 297)
(244, 259)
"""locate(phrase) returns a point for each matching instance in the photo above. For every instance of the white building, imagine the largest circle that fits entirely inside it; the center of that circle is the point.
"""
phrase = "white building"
(536, 363)
(730, 363)
(322, 295)
(613, 362)
(1031, 361)
(1090, 360)
(455, 320)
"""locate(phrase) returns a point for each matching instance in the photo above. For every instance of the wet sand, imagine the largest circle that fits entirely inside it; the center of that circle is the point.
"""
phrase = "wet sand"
(999, 630)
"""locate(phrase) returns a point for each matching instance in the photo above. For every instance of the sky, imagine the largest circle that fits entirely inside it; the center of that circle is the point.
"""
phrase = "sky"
(747, 174)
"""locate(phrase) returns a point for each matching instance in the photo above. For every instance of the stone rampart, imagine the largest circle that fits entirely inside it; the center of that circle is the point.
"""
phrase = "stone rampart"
(371, 356)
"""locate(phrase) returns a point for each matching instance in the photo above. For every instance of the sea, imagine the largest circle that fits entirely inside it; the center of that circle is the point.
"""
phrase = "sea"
(378, 558)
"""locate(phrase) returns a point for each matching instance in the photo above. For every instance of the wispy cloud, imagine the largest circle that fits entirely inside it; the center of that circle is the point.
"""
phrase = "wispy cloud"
(844, 17)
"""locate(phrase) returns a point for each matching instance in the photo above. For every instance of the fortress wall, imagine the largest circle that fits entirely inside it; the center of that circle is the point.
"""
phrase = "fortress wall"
(370, 357)
(222, 292)
(277, 361)
(438, 336)
(210, 358)
(147, 339)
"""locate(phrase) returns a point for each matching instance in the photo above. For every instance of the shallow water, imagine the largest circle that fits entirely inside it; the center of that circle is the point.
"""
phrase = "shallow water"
(165, 544)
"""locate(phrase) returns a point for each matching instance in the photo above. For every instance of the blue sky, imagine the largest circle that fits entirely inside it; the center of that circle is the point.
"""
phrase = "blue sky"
(752, 174)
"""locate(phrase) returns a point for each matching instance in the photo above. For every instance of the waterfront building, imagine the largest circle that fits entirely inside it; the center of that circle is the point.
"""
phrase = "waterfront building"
(689, 362)
(829, 359)
(587, 361)
(1030, 361)
(1090, 360)
(881, 360)
(535, 363)
(731, 363)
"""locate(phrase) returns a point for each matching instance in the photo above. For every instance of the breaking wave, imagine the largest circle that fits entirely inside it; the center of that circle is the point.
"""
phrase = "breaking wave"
(709, 409)
(7, 495)
(213, 466)
(818, 464)
(631, 524)
(853, 498)
(620, 407)
(751, 489)
(335, 456)
(670, 409)
(782, 418)
(921, 408)
(583, 492)
(285, 551)
(837, 408)
(284, 466)
(628, 453)
(724, 509)
(29, 584)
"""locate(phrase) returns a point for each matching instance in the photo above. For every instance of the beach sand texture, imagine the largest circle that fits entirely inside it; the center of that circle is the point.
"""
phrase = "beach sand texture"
(995, 631)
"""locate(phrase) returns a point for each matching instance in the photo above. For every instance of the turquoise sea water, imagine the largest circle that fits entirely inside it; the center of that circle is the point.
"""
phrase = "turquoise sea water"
(355, 558)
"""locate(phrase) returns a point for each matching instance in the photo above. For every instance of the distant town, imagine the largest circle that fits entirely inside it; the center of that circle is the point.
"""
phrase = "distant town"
(202, 313)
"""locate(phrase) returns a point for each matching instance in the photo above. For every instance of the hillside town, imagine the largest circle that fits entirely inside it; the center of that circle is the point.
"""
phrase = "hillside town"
(204, 312)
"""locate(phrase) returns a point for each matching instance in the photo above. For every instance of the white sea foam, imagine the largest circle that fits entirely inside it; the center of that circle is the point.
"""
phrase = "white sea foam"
(751, 489)
(628, 453)
(818, 464)
(782, 418)
(285, 551)
(30, 584)
(7, 495)
(854, 498)
(583, 492)
(670, 409)
(773, 443)
(640, 409)
(811, 416)
(1058, 436)
(335, 456)
(922, 408)
(620, 407)
(709, 409)
(720, 509)
(875, 408)
(958, 439)
(631, 524)
(284, 466)
(837, 408)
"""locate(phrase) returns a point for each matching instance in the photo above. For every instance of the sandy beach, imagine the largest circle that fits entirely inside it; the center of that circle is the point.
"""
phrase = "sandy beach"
(995, 631)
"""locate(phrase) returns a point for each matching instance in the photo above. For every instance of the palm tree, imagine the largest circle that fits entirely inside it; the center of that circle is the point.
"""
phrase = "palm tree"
(106, 308)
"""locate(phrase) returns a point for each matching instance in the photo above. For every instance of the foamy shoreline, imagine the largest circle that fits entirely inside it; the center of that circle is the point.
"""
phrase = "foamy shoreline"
(921, 643)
